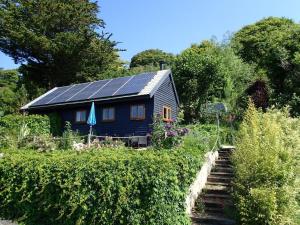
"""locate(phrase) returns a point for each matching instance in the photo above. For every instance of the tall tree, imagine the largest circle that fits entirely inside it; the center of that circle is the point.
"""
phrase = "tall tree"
(12, 92)
(273, 44)
(151, 57)
(209, 72)
(57, 42)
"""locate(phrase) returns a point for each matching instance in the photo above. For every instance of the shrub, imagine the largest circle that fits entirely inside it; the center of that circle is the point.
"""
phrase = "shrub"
(15, 129)
(264, 165)
(68, 137)
(37, 124)
(99, 187)
(166, 135)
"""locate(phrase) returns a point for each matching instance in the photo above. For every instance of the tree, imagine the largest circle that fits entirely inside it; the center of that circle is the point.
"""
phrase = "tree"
(151, 57)
(273, 45)
(12, 92)
(209, 72)
(57, 42)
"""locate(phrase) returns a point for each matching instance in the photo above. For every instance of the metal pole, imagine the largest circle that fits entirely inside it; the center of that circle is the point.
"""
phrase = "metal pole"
(89, 137)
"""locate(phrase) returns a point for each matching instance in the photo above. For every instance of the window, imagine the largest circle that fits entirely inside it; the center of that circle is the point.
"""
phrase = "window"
(167, 113)
(108, 114)
(80, 116)
(137, 112)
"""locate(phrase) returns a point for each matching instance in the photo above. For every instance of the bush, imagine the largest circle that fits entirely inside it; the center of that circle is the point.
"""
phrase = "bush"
(99, 187)
(15, 129)
(166, 135)
(264, 165)
(37, 124)
(68, 137)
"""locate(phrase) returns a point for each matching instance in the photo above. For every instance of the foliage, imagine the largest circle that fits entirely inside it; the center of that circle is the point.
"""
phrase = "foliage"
(209, 72)
(166, 135)
(151, 57)
(273, 45)
(55, 124)
(18, 130)
(68, 137)
(265, 167)
(57, 42)
(99, 187)
(40, 143)
(37, 124)
(12, 92)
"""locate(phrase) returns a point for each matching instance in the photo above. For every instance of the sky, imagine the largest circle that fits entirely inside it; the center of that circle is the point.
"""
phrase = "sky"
(173, 25)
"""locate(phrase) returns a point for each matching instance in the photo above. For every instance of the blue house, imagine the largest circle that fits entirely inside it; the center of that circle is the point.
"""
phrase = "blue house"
(125, 106)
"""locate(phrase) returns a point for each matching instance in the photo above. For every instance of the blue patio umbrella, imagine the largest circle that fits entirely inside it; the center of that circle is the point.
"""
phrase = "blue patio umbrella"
(92, 119)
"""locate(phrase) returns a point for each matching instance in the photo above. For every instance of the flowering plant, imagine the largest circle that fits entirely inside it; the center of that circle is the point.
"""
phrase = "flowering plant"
(166, 134)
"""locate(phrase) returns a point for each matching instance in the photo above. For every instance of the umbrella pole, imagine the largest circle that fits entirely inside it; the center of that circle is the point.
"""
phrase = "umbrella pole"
(89, 137)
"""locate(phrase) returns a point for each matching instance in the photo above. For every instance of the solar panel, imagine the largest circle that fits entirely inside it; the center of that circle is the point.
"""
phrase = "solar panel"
(135, 85)
(51, 95)
(69, 93)
(97, 89)
(111, 87)
(89, 91)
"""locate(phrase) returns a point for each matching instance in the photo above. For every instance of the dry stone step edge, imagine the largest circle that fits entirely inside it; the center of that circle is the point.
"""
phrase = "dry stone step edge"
(201, 178)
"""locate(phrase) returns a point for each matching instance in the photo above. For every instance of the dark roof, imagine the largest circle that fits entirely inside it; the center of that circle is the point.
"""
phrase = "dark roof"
(144, 84)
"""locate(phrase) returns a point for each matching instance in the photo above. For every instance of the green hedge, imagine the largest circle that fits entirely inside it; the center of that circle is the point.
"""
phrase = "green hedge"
(37, 124)
(265, 165)
(99, 187)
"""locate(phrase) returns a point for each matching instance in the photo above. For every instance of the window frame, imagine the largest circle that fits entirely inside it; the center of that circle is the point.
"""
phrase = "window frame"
(114, 114)
(80, 122)
(169, 113)
(138, 118)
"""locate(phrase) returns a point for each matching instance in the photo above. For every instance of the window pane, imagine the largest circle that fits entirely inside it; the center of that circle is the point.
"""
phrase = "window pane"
(108, 114)
(111, 114)
(83, 116)
(80, 116)
(165, 113)
(141, 111)
(77, 116)
(134, 111)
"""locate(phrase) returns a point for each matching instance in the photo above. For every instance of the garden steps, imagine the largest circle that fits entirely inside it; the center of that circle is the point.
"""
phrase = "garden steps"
(215, 204)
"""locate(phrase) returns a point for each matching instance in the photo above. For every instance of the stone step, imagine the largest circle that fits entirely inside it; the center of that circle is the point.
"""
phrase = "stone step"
(217, 203)
(218, 184)
(220, 179)
(222, 174)
(224, 155)
(213, 210)
(224, 158)
(216, 189)
(224, 152)
(216, 196)
(212, 220)
(222, 169)
(223, 166)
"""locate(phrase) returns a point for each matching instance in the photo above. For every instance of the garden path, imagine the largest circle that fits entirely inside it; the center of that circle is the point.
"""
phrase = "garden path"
(214, 205)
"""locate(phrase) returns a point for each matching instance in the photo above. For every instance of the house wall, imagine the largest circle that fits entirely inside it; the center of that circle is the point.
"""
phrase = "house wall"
(121, 126)
(165, 96)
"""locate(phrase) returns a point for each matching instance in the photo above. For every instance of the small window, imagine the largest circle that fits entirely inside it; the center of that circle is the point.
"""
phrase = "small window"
(167, 113)
(108, 114)
(80, 116)
(137, 112)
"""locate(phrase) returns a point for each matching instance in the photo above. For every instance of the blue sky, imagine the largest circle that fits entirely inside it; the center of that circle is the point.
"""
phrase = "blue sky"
(173, 25)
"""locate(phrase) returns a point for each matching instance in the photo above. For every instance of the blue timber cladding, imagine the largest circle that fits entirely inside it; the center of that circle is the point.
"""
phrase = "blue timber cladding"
(165, 96)
(121, 126)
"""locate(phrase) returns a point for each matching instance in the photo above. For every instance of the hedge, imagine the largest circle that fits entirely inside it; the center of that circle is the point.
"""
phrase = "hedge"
(37, 124)
(99, 187)
(265, 164)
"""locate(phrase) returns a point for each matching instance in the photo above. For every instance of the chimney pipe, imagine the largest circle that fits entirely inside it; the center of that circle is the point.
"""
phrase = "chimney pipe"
(161, 65)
